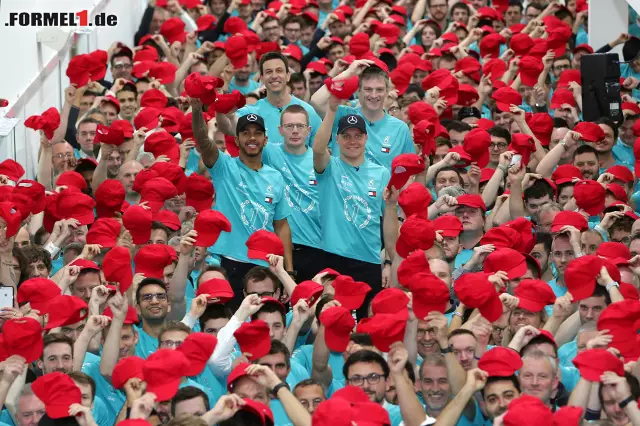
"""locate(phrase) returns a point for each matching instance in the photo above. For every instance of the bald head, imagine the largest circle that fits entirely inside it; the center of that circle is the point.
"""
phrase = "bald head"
(441, 269)
(127, 174)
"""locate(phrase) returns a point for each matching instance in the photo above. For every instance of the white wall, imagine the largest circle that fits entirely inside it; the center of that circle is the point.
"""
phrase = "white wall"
(607, 19)
(33, 73)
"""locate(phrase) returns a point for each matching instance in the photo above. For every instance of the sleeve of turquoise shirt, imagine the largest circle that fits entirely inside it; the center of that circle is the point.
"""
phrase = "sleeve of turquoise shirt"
(314, 121)
(243, 111)
(100, 413)
(220, 168)
(282, 208)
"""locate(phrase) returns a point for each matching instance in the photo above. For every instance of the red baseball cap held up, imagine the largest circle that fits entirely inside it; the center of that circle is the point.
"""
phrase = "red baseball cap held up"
(38, 292)
(449, 226)
(343, 88)
(500, 362)
(216, 288)
(581, 273)
(350, 293)
(566, 173)
(138, 220)
(197, 348)
(253, 337)
(505, 97)
(570, 218)
(127, 368)
(589, 132)
(64, 310)
(446, 82)
(592, 363)
(163, 371)
(104, 231)
(430, 293)
(476, 291)
(209, 224)
(534, 295)
(476, 143)
(416, 233)
(508, 260)
(389, 301)
(199, 192)
(338, 324)
(58, 392)
(23, 337)
(151, 260)
(11, 169)
(110, 197)
(589, 196)
(309, 291)
(116, 268)
(385, 329)
(414, 199)
(262, 243)
(156, 191)
(415, 263)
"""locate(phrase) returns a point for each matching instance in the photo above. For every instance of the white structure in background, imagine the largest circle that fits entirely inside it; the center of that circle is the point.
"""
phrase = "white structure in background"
(35, 62)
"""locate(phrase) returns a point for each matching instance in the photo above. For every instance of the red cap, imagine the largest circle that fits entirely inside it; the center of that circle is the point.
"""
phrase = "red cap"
(584, 47)
(496, 67)
(613, 251)
(424, 135)
(541, 124)
(236, 50)
(414, 199)
(334, 412)
(64, 310)
(343, 88)
(104, 231)
(58, 392)
(416, 233)
(403, 167)
(589, 196)
(589, 132)
(162, 143)
(11, 216)
(508, 260)
(338, 325)
(505, 97)
(309, 291)
(293, 51)
(631, 106)
(151, 260)
(147, 117)
(561, 97)
(236, 373)
(156, 191)
(471, 200)
(23, 337)
(565, 218)
(48, 122)
(226, 102)
(580, 275)
(476, 291)
(446, 82)
(470, 66)
(359, 45)
(558, 38)
(130, 318)
(621, 173)
(165, 72)
(253, 337)
(209, 224)
(629, 291)
(109, 196)
(449, 226)
(205, 22)
(116, 268)
(389, 32)
(173, 30)
(146, 53)
(419, 111)
(173, 173)
(501, 237)
(530, 69)
(78, 71)
(522, 144)
(500, 362)
(617, 191)
(71, 179)
(154, 98)
(385, 329)
(263, 412)
(163, 371)
(235, 25)
(318, 67)
(490, 45)
(168, 218)
(137, 220)
(520, 44)
(38, 292)
(620, 319)
(113, 101)
(534, 295)
(430, 293)
(74, 204)
(527, 410)
(567, 76)
(476, 143)
(389, 301)
(467, 95)
(592, 363)
(202, 87)
(11, 169)
(85, 264)
(567, 173)
(216, 288)
(34, 192)
(262, 243)
(416, 262)
(350, 293)
(568, 416)
(197, 348)
(127, 368)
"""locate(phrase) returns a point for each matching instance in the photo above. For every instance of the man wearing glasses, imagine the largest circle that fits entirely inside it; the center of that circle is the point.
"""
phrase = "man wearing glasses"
(153, 307)
(294, 160)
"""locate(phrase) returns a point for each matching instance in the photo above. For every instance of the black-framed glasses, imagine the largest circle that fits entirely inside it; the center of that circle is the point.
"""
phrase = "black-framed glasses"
(167, 344)
(372, 379)
(264, 293)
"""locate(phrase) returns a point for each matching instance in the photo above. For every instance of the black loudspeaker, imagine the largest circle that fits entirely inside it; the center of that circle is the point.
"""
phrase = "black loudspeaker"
(601, 86)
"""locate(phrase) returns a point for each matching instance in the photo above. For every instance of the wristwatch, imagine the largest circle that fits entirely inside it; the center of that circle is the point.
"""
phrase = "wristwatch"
(387, 262)
(626, 402)
(293, 274)
(279, 386)
(611, 285)
(446, 350)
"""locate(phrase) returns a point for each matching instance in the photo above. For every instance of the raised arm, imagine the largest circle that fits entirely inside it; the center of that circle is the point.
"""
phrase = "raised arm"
(476, 379)
(208, 149)
(178, 284)
(552, 158)
(111, 347)
(321, 155)
(390, 223)
(320, 99)
(283, 231)
(410, 407)
(95, 324)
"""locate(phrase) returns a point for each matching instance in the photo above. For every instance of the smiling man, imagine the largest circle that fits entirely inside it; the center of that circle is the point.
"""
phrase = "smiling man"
(248, 192)
(275, 74)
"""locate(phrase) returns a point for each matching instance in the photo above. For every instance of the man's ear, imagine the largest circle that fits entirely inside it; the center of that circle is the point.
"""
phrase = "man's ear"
(40, 364)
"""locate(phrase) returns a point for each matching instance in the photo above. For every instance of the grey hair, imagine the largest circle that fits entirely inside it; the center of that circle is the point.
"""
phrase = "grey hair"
(549, 207)
(145, 155)
(588, 326)
(539, 355)
(454, 191)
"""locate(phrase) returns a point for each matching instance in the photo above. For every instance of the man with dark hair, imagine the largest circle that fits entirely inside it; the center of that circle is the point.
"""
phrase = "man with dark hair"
(457, 131)
(153, 307)
(310, 393)
(387, 137)
(190, 400)
(604, 148)
(537, 195)
(214, 318)
(500, 140)
(464, 345)
(88, 278)
(532, 11)
(84, 136)
(39, 261)
(274, 74)
(445, 177)
(585, 158)
(87, 388)
(542, 253)
(121, 65)
(460, 12)
(298, 86)
(249, 193)
(128, 98)
(497, 393)
(57, 354)
(160, 234)
(513, 15)
(367, 370)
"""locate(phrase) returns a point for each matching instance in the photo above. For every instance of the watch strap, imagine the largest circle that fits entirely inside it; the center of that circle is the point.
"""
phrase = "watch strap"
(279, 386)
(626, 401)
(446, 350)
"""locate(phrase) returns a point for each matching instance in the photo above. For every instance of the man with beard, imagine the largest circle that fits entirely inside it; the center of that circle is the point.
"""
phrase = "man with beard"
(63, 158)
(57, 354)
(450, 228)
(604, 148)
(245, 188)
(153, 307)
(274, 74)
(586, 159)
(127, 175)
(387, 137)
(542, 252)
(242, 81)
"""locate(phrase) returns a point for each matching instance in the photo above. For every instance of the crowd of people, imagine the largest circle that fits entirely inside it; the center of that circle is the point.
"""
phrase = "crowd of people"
(323, 212)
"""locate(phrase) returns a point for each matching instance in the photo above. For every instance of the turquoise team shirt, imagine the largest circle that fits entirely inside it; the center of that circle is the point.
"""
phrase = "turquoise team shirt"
(146, 344)
(623, 154)
(300, 192)
(112, 400)
(280, 417)
(271, 117)
(386, 138)
(250, 199)
(304, 356)
(567, 352)
(252, 86)
(351, 206)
